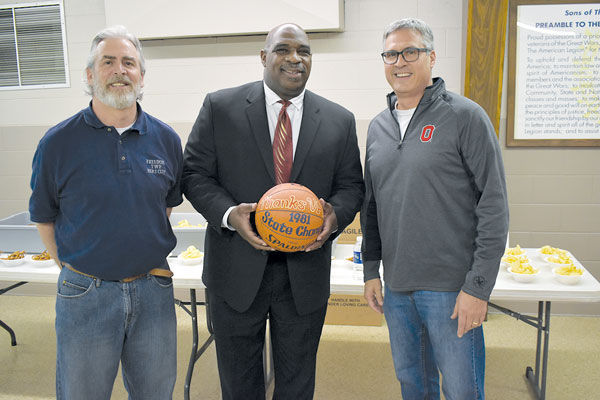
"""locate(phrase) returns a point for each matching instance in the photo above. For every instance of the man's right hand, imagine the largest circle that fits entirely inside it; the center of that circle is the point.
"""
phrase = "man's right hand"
(373, 294)
(239, 219)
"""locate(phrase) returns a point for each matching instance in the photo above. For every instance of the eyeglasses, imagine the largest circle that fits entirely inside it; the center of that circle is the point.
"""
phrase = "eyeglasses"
(409, 54)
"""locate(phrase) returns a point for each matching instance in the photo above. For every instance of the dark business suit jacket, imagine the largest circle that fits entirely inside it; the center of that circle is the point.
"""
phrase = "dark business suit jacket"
(229, 160)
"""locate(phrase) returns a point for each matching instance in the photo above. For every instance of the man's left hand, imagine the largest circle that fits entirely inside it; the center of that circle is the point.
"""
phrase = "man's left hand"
(470, 312)
(329, 226)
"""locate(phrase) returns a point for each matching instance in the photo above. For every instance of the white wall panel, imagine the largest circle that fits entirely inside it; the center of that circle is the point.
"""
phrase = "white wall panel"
(192, 18)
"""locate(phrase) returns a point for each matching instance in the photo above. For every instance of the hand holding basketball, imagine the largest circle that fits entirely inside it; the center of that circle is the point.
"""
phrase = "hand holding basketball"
(289, 217)
(329, 226)
(239, 219)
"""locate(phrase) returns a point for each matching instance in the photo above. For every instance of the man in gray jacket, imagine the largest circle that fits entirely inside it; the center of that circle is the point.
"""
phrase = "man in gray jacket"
(436, 214)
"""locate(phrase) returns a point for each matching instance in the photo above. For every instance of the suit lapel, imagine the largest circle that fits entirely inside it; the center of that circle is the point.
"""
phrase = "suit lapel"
(257, 117)
(308, 131)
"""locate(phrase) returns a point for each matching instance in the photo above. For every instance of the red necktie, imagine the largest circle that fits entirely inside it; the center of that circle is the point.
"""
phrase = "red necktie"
(283, 146)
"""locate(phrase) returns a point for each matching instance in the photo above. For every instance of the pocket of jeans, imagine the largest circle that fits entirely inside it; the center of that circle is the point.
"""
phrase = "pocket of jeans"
(162, 281)
(69, 289)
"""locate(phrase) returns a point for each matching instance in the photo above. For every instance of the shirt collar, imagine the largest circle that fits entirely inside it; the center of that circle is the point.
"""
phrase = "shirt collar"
(271, 97)
(140, 124)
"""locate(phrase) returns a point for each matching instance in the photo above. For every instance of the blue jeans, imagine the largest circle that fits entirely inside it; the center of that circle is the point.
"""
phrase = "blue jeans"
(101, 323)
(423, 340)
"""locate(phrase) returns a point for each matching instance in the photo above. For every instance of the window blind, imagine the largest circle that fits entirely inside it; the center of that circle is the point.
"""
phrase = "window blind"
(32, 48)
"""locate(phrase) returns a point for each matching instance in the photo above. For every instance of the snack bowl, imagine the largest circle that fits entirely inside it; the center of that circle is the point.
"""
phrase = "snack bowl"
(566, 279)
(519, 277)
(189, 261)
(507, 260)
(548, 251)
(40, 263)
(514, 251)
(11, 263)
(548, 261)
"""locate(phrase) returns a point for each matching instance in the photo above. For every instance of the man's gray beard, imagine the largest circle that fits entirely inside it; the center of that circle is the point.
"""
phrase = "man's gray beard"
(119, 101)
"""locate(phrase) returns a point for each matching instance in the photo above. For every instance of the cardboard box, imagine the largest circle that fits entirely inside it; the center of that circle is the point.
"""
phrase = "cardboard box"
(351, 309)
(348, 236)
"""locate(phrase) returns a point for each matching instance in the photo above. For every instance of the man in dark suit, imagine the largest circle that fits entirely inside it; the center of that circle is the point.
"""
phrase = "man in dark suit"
(229, 165)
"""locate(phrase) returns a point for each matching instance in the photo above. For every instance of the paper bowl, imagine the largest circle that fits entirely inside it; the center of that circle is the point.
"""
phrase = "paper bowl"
(11, 263)
(552, 263)
(190, 261)
(504, 265)
(523, 277)
(566, 279)
(40, 263)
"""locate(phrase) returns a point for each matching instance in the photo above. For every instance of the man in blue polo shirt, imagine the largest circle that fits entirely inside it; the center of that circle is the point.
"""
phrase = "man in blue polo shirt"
(104, 183)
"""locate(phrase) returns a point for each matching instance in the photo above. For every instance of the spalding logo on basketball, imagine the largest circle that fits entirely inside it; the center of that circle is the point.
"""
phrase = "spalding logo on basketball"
(289, 217)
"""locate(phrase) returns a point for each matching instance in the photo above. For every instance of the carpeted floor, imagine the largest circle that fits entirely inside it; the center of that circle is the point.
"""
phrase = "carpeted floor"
(354, 362)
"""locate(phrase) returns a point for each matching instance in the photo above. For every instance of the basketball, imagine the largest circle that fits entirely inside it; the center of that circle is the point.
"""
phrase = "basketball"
(289, 217)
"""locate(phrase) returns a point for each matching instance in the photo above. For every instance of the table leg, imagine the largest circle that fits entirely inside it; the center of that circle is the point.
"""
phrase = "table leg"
(542, 324)
(13, 338)
(196, 352)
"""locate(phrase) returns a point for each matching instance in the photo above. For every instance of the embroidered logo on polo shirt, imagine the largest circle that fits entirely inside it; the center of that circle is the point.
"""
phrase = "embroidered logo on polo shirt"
(427, 133)
(156, 166)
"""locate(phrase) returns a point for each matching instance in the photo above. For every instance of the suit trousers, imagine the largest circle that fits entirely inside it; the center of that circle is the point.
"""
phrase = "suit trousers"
(240, 338)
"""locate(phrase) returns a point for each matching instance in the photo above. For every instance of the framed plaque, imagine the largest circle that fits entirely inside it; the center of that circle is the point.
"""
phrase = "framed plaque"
(554, 73)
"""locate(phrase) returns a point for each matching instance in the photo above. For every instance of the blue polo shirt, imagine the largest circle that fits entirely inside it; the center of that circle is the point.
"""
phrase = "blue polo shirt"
(107, 194)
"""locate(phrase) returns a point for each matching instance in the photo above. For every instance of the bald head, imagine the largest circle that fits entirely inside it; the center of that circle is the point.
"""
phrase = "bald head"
(292, 28)
(287, 60)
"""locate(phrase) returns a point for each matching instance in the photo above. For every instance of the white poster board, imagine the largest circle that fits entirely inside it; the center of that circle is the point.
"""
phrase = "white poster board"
(160, 19)
(557, 73)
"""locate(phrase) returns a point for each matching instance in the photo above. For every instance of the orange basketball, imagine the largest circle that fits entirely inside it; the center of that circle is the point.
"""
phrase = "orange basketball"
(289, 217)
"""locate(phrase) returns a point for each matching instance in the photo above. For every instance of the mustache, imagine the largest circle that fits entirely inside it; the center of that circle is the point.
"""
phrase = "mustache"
(294, 66)
(119, 79)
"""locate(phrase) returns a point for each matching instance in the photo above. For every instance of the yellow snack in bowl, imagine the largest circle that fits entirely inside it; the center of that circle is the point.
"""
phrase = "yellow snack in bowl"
(569, 269)
(184, 223)
(549, 250)
(523, 268)
(510, 259)
(560, 258)
(191, 252)
(514, 251)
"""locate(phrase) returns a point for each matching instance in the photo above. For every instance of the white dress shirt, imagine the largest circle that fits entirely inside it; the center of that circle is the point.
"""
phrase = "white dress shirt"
(273, 107)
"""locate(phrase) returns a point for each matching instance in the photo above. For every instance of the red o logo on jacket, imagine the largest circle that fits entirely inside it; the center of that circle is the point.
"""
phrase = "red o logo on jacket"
(427, 133)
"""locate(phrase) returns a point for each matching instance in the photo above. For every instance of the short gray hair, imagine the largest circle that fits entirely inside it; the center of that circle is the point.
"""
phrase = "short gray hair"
(413, 24)
(115, 32)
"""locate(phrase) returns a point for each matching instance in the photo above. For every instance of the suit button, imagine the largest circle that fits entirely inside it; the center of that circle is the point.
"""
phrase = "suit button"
(263, 252)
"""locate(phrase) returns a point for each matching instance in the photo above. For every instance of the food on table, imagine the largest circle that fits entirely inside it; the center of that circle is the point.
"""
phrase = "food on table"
(510, 259)
(560, 258)
(549, 250)
(523, 268)
(191, 253)
(17, 255)
(184, 223)
(44, 256)
(569, 270)
(514, 251)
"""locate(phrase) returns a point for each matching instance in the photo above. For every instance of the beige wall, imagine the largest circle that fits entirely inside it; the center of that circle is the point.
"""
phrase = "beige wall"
(554, 193)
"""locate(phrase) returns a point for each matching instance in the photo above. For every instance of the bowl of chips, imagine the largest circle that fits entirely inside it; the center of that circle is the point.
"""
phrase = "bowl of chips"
(514, 251)
(190, 256)
(509, 260)
(559, 259)
(41, 260)
(523, 272)
(546, 251)
(567, 274)
(13, 259)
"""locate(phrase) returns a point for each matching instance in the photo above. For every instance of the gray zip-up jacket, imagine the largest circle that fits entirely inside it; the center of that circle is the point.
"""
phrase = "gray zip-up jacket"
(436, 210)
